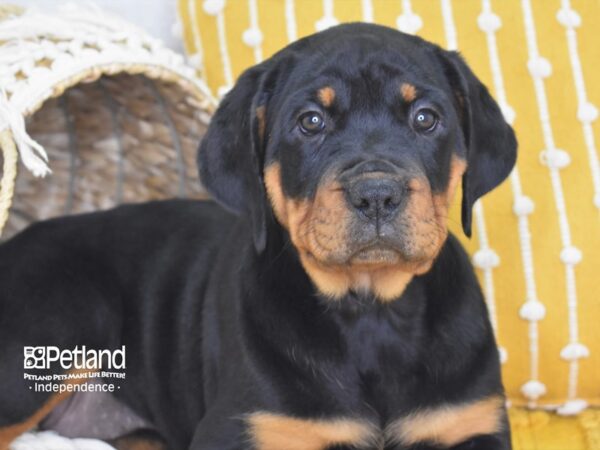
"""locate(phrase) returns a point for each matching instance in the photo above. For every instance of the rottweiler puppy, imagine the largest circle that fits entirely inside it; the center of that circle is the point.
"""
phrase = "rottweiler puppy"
(320, 303)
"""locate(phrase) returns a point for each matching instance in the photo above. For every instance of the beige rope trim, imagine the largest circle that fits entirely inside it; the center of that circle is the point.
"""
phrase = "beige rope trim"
(159, 73)
(9, 174)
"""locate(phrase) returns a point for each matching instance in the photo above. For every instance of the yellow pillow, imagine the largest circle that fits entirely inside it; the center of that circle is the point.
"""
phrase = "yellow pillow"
(536, 238)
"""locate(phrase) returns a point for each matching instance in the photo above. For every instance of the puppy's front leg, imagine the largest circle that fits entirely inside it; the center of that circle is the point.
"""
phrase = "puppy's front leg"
(220, 429)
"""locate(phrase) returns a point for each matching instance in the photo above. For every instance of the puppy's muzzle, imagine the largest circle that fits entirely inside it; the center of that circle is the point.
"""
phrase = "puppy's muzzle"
(375, 190)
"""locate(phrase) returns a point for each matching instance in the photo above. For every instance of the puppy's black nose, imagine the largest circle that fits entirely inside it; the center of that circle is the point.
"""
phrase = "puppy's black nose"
(376, 198)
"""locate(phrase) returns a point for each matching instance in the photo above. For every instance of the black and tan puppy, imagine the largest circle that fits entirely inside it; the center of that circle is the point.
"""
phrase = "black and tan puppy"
(327, 308)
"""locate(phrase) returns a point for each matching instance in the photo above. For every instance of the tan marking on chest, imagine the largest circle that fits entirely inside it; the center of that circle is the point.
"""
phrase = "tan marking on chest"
(448, 425)
(276, 432)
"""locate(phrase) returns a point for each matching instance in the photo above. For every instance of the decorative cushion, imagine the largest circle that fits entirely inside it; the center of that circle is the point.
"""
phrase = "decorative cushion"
(536, 242)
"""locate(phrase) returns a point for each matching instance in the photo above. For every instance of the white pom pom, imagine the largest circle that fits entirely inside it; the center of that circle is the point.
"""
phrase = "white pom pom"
(533, 310)
(326, 22)
(568, 17)
(503, 354)
(540, 67)
(509, 114)
(533, 389)
(489, 22)
(486, 259)
(523, 206)
(177, 30)
(597, 200)
(252, 37)
(213, 7)
(409, 23)
(587, 112)
(555, 158)
(572, 407)
(574, 351)
(570, 255)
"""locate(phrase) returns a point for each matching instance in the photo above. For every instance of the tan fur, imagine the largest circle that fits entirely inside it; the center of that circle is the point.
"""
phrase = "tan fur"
(275, 432)
(448, 425)
(408, 91)
(319, 231)
(326, 96)
(10, 433)
(442, 201)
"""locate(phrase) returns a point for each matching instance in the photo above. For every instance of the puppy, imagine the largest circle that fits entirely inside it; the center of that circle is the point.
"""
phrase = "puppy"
(319, 304)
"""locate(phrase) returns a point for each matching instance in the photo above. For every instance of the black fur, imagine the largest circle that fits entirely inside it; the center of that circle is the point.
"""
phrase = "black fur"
(218, 315)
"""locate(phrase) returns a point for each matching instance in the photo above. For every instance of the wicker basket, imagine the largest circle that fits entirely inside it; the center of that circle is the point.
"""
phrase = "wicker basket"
(119, 118)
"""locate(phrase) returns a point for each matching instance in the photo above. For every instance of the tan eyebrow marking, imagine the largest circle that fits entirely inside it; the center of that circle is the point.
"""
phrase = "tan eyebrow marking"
(448, 425)
(326, 96)
(276, 432)
(408, 91)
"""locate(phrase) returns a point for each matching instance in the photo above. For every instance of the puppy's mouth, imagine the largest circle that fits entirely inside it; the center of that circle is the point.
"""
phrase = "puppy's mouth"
(376, 255)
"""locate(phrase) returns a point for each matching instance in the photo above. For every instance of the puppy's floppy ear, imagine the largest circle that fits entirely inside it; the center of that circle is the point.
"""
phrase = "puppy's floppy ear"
(231, 154)
(490, 141)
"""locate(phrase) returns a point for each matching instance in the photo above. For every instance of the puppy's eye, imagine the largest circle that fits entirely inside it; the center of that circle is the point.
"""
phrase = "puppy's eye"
(311, 122)
(425, 120)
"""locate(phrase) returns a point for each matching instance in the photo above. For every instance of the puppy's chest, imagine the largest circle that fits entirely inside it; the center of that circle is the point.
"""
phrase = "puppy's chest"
(442, 426)
(368, 398)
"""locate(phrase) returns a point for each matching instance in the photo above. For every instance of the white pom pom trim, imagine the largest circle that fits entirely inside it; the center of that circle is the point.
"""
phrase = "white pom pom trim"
(409, 23)
(503, 354)
(489, 22)
(570, 255)
(213, 7)
(509, 114)
(326, 22)
(532, 310)
(568, 18)
(523, 206)
(533, 389)
(574, 351)
(252, 37)
(486, 258)
(572, 407)
(539, 67)
(555, 158)
(587, 112)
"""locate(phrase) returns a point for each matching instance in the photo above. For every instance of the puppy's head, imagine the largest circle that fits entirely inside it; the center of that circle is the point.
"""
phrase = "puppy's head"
(356, 138)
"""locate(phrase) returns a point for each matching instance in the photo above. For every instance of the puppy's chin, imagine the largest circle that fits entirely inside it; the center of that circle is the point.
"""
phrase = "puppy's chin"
(380, 271)
(375, 256)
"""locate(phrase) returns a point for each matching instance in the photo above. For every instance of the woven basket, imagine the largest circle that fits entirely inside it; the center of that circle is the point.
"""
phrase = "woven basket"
(116, 115)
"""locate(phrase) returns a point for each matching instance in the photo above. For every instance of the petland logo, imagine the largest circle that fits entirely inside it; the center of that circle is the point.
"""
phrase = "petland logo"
(77, 358)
